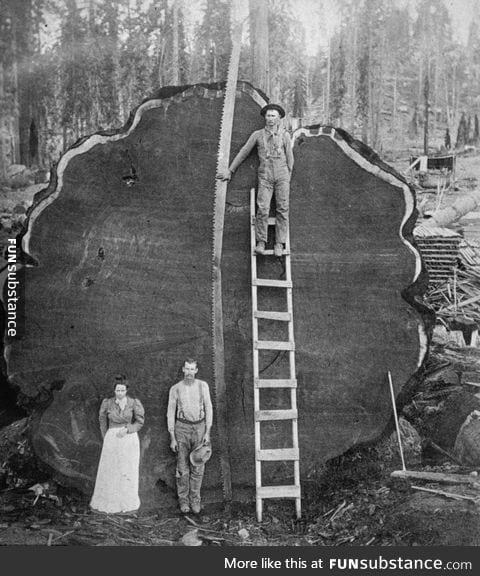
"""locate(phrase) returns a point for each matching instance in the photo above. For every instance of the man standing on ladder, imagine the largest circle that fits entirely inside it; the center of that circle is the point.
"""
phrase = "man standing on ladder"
(274, 149)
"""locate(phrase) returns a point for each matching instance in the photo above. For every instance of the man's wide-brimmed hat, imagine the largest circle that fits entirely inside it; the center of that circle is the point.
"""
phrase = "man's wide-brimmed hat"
(276, 107)
(201, 454)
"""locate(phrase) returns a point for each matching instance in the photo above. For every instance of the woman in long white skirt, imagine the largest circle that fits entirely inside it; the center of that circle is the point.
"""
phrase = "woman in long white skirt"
(116, 486)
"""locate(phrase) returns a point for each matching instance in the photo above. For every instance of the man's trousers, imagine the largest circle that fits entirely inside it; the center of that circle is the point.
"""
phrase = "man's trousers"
(273, 178)
(189, 477)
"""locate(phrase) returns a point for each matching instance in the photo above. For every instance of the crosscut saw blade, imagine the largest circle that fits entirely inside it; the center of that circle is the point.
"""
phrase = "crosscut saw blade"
(218, 224)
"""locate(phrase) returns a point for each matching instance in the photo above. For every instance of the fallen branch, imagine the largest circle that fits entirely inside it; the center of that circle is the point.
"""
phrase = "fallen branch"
(162, 541)
(335, 510)
(63, 535)
(340, 510)
(138, 542)
(444, 452)
(199, 526)
(214, 537)
(474, 499)
(436, 477)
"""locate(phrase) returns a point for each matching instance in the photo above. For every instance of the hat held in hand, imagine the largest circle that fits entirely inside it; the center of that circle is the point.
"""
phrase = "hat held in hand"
(201, 454)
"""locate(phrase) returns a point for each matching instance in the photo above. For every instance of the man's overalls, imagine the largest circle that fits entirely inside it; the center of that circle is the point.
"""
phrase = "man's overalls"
(273, 177)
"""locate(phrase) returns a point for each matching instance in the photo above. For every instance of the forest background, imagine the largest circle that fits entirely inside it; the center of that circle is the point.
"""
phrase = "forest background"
(394, 73)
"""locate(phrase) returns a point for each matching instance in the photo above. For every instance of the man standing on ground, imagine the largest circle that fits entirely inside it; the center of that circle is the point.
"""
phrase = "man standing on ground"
(274, 148)
(189, 420)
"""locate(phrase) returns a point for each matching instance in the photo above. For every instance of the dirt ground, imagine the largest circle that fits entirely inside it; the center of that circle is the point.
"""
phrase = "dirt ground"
(354, 504)
(353, 501)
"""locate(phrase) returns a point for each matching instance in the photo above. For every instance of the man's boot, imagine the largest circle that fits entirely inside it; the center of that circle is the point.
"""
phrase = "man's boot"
(260, 247)
(196, 507)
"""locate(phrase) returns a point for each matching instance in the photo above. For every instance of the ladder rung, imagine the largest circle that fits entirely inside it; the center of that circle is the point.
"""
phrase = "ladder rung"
(280, 383)
(278, 492)
(264, 415)
(270, 253)
(270, 315)
(271, 220)
(278, 454)
(272, 282)
(274, 345)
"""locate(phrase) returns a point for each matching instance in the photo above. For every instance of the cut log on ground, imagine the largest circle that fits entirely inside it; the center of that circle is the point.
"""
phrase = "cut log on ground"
(119, 280)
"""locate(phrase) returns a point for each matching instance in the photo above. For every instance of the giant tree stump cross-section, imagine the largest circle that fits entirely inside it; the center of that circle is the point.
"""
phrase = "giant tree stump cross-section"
(121, 282)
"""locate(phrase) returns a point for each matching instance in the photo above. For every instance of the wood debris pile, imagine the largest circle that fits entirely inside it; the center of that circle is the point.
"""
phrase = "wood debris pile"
(440, 249)
(453, 266)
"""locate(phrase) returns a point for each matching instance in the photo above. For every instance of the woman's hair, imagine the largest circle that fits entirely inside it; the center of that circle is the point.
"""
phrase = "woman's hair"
(120, 379)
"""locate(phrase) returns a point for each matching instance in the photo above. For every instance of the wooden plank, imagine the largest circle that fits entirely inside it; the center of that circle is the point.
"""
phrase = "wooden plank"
(265, 415)
(271, 315)
(271, 220)
(274, 345)
(279, 492)
(271, 282)
(277, 383)
(465, 302)
(269, 252)
(436, 477)
(434, 251)
(278, 454)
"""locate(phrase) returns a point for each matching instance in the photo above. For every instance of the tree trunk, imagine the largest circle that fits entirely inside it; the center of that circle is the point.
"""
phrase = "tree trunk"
(435, 94)
(3, 126)
(175, 77)
(426, 95)
(448, 101)
(394, 111)
(64, 136)
(259, 53)
(329, 71)
(455, 107)
(214, 60)
(353, 76)
(114, 44)
(161, 58)
(26, 117)
(15, 95)
(370, 90)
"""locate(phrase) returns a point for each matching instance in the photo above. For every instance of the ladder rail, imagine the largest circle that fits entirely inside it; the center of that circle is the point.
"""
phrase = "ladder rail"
(293, 395)
(256, 391)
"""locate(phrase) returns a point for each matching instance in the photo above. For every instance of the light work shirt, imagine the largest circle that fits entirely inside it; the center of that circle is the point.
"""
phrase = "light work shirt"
(189, 402)
(276, 145)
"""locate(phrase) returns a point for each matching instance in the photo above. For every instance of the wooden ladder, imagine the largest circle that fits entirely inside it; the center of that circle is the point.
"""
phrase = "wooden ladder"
(279, 454)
